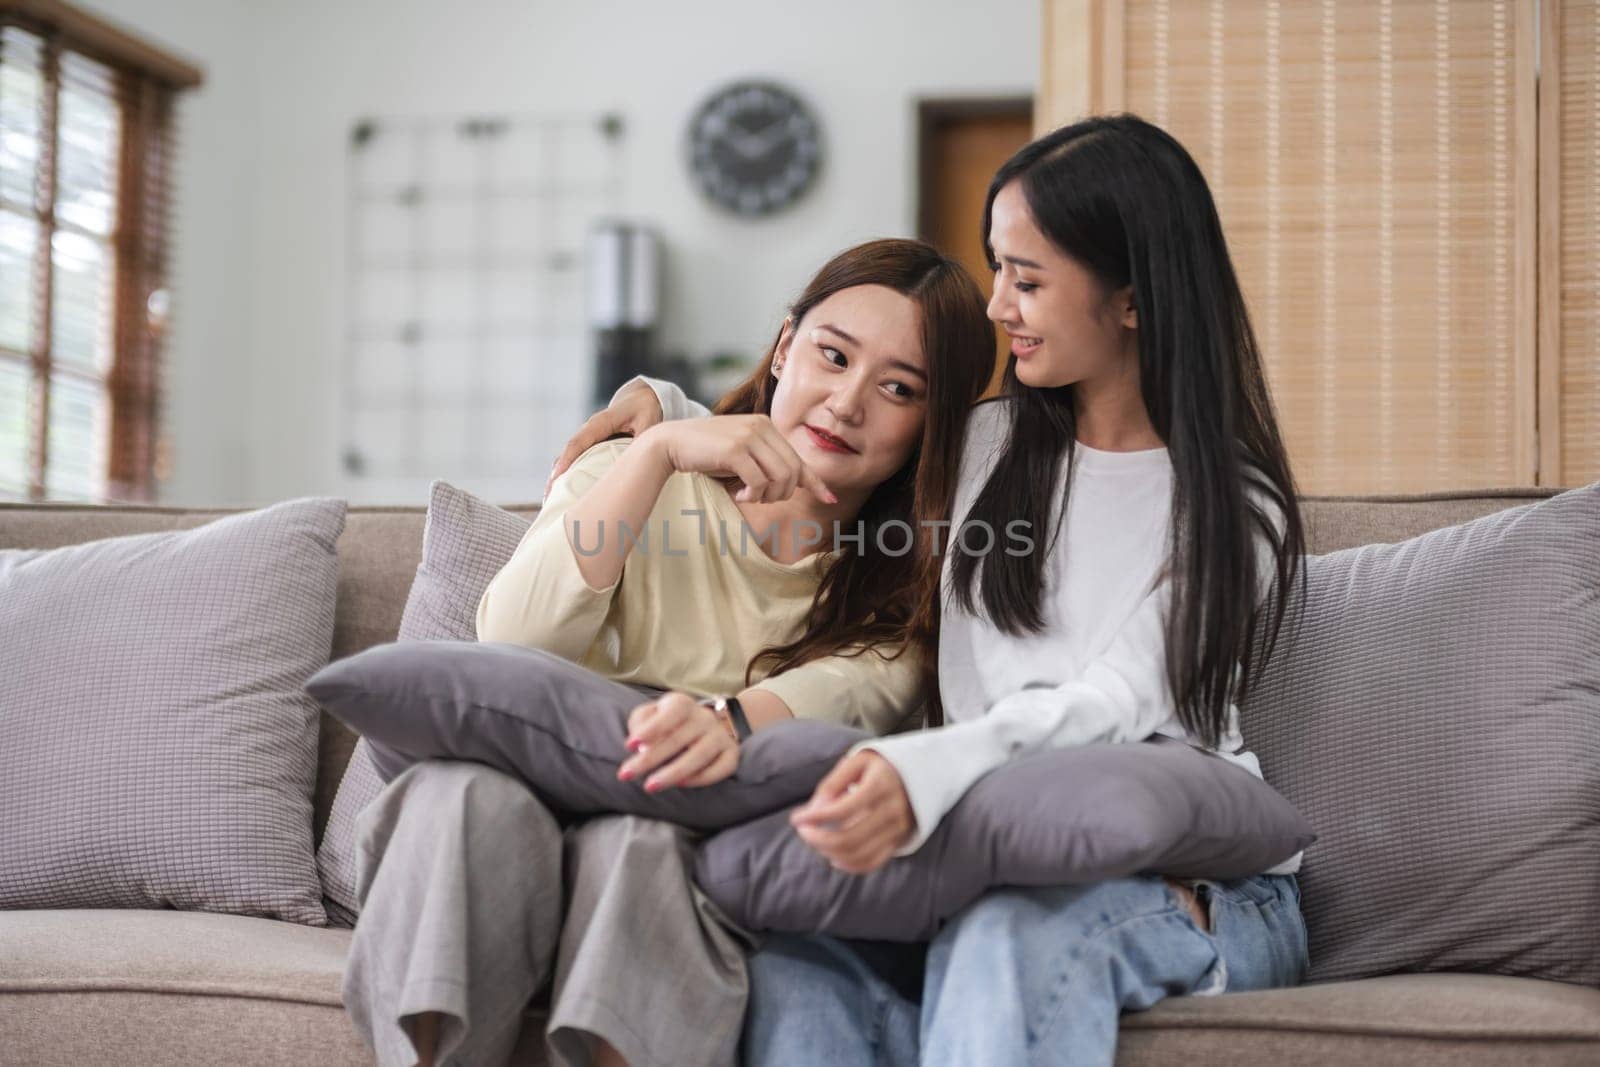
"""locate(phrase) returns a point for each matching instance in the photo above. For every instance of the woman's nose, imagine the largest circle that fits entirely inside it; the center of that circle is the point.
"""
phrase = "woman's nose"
(848, 400)
(1000, 303)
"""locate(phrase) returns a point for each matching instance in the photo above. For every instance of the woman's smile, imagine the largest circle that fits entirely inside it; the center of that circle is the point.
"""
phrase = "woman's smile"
(828, 442)
(1022, 347)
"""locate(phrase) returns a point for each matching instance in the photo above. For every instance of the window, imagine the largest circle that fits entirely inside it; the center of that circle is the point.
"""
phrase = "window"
(1409, 192)
(85, 153)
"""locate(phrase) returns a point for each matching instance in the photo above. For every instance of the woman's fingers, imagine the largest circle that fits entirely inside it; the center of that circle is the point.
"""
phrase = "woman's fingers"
(694, 758)
(638, 407)
(869, 820)
(634, 411)
(863, 845)
(750, 448)
(656, 733)
(747, 470)
(780, 463)
(812, 481)
(859, 857)
(639, 717)
(656, 753)
(795, 467)
(723, 766)
(805, 476)
(831, 800)
(832, 813)
(596, 428)
(782, 473)
(858, 815)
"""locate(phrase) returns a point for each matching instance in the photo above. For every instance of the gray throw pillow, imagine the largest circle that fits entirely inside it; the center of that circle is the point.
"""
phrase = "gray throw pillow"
(1438, 718)
(465, 542)
(558, 726)
(1058, 818)
(156, 748)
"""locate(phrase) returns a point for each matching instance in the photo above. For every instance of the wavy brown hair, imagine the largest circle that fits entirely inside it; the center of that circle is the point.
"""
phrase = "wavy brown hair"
(868, 598)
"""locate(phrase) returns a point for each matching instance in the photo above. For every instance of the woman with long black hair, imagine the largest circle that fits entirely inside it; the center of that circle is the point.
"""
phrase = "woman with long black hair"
(1136, 438)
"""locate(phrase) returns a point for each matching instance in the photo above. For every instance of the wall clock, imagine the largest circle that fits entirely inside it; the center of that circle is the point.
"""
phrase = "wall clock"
(754, 147)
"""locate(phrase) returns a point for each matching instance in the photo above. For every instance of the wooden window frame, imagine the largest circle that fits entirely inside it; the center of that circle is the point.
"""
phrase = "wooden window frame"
(148, 79)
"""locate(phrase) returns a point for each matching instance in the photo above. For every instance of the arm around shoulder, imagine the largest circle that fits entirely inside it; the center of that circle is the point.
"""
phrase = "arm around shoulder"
(675, 403)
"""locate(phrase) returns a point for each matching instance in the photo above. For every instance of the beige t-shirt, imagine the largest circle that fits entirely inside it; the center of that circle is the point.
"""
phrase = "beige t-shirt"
(698, 596)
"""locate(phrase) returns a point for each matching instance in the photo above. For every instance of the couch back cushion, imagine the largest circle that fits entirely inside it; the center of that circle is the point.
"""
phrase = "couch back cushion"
(159, 750)
(1435, 713)
(378, 556)
(381, 547)
(465, 543)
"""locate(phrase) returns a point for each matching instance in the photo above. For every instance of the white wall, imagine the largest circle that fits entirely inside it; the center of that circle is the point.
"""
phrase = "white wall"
(260, 271)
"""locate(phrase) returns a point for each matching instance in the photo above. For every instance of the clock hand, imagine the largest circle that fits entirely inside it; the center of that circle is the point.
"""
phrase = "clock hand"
(769, 138)
(747, 146)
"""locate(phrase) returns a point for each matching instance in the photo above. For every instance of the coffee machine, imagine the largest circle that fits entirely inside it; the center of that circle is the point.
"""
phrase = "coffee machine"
(624, 301)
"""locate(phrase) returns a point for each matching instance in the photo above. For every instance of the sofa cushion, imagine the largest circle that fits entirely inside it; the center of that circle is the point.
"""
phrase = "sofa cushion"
(171, 987)
(159, 751)
(378, 554)
(1437, 718)
(191, 988)
(1435, 1020)
(165, 951)
(1339, 522)
(465, 542)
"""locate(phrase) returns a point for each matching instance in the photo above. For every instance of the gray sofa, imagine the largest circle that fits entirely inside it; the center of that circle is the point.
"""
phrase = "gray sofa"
(166, 987)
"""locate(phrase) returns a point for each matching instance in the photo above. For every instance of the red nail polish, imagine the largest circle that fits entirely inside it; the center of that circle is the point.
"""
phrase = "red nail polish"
(652, 786)
(633, 744)
(623, 774)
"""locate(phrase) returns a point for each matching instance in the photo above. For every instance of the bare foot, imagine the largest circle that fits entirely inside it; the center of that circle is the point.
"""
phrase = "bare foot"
(425, 1036)
(605, 1055)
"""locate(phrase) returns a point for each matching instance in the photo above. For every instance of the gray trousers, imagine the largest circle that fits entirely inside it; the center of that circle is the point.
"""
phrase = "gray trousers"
(533, 941)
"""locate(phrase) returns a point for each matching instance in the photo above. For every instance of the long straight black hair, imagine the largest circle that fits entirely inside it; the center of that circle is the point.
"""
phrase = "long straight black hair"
(1124, 199)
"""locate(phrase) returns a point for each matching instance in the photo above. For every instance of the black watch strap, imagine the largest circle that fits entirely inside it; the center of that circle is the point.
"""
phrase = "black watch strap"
(741, 722)
(731, 707)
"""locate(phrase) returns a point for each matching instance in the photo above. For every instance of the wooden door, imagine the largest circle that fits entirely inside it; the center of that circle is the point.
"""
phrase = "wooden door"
(963, 142)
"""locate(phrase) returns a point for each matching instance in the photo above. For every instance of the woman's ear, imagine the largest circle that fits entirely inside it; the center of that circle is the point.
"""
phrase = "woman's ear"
(1127, 314)
(780, 351)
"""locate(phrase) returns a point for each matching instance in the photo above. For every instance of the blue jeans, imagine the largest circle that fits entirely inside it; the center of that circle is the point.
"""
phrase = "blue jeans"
(1022, 976)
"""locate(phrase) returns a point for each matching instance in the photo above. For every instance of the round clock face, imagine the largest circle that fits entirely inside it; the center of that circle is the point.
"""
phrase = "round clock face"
(754, 148)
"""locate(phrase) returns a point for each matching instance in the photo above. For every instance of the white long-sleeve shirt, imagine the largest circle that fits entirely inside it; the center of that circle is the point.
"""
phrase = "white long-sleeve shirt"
(1095, 673)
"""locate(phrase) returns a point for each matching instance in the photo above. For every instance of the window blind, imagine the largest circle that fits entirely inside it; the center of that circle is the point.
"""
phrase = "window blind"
(1372, 164)
(85, 144)
(1574, 290)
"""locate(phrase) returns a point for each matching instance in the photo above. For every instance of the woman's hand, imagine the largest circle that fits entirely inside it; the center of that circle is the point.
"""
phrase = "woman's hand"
(634, 411)
(859, 814)
(748, 447)
(689, 743)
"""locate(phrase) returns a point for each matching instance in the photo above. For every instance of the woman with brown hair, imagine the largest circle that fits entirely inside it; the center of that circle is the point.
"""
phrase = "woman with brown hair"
(779, 559)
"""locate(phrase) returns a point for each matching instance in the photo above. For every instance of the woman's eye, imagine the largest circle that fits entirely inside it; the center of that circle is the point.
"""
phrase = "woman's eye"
(829, 354)
(1026, 287)
(902, 391)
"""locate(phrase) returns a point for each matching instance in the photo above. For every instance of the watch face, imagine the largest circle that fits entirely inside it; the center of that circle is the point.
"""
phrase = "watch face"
(754, 148)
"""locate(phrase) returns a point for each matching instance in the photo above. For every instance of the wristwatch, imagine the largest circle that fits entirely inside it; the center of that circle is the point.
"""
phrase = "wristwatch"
(733, 711)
